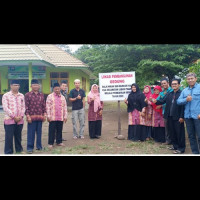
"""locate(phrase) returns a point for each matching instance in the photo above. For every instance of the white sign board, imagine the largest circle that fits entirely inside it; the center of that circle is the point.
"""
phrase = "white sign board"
(115, 86)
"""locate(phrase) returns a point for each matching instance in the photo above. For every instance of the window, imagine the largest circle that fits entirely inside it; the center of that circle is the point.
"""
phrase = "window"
(58, 77)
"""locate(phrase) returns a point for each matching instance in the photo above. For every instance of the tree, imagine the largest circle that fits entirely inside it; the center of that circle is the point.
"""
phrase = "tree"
(150, 62)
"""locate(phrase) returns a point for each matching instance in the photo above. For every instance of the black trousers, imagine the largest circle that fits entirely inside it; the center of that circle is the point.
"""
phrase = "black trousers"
(95, 128)
(11, 131)
(177, 131)
(55, 128)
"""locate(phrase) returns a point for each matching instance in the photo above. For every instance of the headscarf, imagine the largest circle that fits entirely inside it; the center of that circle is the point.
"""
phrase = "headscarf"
(155, 96)
(149, 94)
(92, 94)
(136, 99)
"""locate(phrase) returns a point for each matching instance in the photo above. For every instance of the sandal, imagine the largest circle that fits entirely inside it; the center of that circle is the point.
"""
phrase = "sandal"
(171, 148)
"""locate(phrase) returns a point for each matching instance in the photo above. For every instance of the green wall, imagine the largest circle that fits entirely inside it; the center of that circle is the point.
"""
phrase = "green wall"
(4, 80)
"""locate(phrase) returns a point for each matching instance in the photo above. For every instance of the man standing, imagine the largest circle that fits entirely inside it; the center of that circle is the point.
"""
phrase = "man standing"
(14, 108)
(77, 97)
(175, 117)
(56, 107)
(64, 91)
(166, 89)
(190, 97)
(35, 114)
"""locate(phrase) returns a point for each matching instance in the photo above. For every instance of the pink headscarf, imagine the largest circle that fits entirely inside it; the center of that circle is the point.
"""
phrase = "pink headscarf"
(149, 94)
(92, 94)
(155, 96)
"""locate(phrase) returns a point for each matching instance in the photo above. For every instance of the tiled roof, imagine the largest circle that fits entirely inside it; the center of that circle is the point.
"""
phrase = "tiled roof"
(41, 52)
(16, 52)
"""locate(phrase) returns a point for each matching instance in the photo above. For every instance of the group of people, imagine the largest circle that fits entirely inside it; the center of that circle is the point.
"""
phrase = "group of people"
(160, 115)
(37, 110)
(157, 115)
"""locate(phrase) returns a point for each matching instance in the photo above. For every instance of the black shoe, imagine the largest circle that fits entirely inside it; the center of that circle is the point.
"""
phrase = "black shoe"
(97, 137)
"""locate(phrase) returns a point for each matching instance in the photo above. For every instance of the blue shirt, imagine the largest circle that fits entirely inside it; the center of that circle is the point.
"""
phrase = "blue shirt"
(192, 108)
(162, 95)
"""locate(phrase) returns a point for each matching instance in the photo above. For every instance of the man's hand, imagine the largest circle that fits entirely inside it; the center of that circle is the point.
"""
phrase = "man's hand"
(65, 120)
(181, 120)
(154, 100)
(79, 96)
(189, 98)
(17, 119)
(158, 107)
(48, 119)
(199, 116)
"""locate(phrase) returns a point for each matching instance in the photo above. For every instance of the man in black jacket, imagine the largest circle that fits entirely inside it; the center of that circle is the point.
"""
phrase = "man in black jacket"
(174, 113)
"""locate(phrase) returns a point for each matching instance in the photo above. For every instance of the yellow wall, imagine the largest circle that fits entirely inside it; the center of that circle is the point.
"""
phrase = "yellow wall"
(73, 74)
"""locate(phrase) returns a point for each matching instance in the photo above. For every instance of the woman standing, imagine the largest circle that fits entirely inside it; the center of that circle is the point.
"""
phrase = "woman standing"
(136, 113)
(157, 118)
(149, 112)
(95, 112)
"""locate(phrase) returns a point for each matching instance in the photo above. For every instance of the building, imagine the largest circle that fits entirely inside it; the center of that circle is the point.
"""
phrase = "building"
(47, 63)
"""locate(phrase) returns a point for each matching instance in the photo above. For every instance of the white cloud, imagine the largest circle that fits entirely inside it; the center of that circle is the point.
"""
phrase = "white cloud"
(74, 47)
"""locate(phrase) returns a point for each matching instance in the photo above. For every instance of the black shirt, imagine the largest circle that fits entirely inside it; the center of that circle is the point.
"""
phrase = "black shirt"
(172, 109)
(78, 104)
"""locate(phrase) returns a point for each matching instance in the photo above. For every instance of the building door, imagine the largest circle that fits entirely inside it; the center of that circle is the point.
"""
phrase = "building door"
(84, 84)
(24, 85)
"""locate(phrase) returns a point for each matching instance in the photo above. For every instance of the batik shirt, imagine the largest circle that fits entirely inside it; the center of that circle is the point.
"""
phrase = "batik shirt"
(13, 106)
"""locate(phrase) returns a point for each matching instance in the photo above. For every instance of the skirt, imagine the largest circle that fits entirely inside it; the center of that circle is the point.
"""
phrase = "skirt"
(159, 134)
(137, 132)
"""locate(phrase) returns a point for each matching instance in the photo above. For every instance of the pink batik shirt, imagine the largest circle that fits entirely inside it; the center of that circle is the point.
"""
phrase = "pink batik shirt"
(13, 106)
(56, 107)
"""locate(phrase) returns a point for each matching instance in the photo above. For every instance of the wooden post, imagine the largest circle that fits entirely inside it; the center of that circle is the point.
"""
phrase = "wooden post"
(30, 75)
(119, 120)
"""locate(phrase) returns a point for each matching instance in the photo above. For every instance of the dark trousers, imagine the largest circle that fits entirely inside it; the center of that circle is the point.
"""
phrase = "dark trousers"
(95, 128)
(177, 131)
(168, 136)
(193, 130)
(55, 128)
(34, 127)
(11, 131)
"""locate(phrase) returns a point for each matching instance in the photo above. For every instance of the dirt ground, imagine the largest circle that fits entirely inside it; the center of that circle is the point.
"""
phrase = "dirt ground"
(106, 145)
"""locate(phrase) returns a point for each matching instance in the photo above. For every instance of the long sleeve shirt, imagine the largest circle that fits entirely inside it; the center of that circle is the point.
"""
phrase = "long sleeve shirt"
(35, 106)
(172, 108)
(13, 106)
(94, 116)
(56, 107)
(162, 96)
(192, 108)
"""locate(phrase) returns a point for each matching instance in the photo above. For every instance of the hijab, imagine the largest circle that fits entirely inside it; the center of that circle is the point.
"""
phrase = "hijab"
(136, 99)
(155, 96)
(92, 94)
(149, 94)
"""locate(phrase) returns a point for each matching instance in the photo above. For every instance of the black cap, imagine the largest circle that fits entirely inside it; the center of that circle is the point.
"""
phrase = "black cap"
(14, 82)
(34, 81)
(56, 85)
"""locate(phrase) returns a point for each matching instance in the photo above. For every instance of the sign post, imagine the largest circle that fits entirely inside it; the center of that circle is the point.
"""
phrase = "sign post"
(116, 86)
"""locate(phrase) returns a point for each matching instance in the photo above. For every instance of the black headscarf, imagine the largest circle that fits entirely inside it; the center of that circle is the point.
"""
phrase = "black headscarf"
(136, 100)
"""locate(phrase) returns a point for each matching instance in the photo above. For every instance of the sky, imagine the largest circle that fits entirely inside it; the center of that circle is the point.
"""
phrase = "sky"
(74, 47)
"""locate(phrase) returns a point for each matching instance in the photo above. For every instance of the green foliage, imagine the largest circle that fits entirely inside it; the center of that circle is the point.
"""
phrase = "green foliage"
(150, 62)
